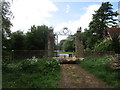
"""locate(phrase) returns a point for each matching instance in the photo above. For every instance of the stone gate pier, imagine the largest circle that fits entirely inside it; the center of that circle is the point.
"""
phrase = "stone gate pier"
(50, 43)
(79, 48)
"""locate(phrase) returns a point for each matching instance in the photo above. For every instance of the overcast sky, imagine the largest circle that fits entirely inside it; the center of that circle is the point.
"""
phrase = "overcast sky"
(56, 13)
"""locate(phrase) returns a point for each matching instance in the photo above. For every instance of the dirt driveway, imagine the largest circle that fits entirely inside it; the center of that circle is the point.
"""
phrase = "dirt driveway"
(72, 76)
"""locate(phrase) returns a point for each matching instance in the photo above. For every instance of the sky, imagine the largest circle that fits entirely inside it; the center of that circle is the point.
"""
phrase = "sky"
(56, 13)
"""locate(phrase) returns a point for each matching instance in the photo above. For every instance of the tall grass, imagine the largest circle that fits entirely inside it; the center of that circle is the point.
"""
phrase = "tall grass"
(99, 66)
(31, 73)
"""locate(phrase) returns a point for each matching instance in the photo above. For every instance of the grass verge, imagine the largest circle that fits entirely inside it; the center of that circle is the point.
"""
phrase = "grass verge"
(66, 52)
(99, 66)
(31, 73)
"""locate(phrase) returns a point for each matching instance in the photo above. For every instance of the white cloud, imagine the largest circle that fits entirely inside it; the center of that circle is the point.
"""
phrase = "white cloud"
(67, 8)
(87, 17)
(31, 12)
(85, 0)
(83, 21)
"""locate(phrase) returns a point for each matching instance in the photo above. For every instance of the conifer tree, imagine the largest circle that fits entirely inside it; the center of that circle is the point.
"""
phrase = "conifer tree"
(103, 18)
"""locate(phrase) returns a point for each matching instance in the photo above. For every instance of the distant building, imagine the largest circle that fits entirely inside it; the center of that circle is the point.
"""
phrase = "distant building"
(113, 33)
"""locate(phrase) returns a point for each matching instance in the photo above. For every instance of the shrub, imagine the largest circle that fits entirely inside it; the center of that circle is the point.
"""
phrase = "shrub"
(104, 45)
(31, 73)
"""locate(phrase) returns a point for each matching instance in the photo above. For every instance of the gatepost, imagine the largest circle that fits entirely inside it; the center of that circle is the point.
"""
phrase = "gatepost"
(50, 43)
(79, 48)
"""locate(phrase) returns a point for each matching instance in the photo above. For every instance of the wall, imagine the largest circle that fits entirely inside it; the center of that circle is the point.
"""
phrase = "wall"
(97, 54)
(24, 54)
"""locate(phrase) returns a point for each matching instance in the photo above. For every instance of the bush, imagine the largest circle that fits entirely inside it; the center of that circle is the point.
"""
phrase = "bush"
(108, 45)
(104, 45)
(31, 73)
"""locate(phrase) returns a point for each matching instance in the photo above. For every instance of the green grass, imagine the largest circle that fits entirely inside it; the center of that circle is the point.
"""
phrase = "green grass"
(100, 68)
(66, 52)
(45, 73)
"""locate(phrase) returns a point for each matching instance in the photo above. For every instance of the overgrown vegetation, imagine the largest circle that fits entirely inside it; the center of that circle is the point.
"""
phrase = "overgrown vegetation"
(100, 68)
(102, 19)
(104, 45)
(108, 45)
(31, 73)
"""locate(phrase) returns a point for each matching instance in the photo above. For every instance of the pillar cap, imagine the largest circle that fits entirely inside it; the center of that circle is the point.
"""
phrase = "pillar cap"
(79, 29)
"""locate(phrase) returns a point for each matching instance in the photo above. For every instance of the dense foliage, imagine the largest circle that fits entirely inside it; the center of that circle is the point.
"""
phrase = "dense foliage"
(99, 66)
(6, 24)
(60, 45)
(17, 40)
(103, 18)
(108, 45)
(116, 45)
(104, 45)
(67, 44)
(34, 39)
(31, 73)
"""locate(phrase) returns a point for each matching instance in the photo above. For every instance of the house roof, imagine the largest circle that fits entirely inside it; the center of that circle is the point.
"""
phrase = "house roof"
(113, 32)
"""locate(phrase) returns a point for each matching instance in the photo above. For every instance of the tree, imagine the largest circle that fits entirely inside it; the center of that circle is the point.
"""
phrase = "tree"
(116, 45)
(36, 37)
(17, 40)
(108, 45)
(69, 43)
(6, 15)
(60, 45)
(6, 24)
(102, 19)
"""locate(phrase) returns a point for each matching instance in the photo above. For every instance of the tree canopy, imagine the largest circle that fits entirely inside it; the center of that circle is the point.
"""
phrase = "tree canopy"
(103, 18)
(36, 37)
(6, 23)
(68, 44)
(17, 40)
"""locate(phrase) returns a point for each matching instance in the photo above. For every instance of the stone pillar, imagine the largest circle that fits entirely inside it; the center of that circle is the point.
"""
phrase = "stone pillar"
(50, 43)
(79, 48)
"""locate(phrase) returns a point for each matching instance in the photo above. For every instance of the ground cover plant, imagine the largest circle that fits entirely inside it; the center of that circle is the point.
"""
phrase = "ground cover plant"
(99, 66)
(31, 73)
